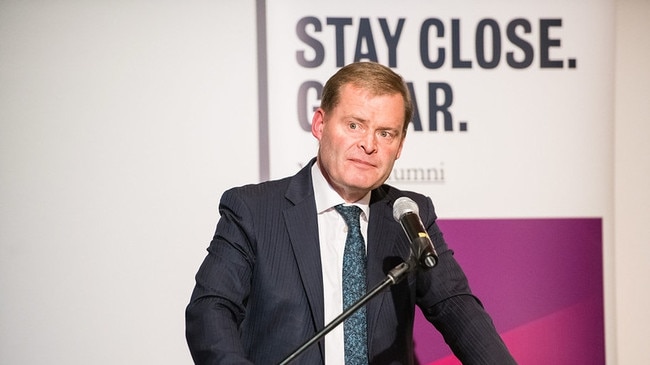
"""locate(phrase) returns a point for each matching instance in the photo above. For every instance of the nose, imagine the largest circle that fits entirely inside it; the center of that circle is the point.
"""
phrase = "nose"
(368, 143)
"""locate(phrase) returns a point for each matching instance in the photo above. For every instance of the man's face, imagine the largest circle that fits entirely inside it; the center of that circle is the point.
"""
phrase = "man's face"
(360, 139)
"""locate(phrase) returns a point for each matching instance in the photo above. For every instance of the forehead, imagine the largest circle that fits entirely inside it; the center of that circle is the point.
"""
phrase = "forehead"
(364, 103)
(352, 93)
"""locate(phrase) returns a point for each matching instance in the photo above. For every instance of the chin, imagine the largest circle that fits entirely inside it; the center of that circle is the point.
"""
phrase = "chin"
(364, 185)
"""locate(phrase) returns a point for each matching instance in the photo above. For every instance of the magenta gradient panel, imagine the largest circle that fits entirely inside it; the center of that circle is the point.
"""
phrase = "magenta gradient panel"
(541, 280)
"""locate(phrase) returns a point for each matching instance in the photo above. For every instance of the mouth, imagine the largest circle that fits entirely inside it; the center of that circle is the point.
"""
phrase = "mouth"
(361, 163)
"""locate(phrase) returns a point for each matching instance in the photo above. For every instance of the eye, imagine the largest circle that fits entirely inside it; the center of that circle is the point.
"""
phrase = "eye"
(386, 134)
(353, 125)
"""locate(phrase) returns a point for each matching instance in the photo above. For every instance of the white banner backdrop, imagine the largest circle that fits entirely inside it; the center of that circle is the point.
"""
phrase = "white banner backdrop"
(514, 99)
(513, 127)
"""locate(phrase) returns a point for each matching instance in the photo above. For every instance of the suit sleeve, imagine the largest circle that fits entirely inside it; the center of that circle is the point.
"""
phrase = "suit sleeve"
(446, 300)
(217, 305)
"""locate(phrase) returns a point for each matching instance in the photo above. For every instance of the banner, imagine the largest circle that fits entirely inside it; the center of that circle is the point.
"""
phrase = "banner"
(510, 137)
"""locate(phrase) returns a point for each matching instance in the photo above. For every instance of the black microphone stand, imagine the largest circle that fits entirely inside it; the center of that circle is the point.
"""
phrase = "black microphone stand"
(394, 276)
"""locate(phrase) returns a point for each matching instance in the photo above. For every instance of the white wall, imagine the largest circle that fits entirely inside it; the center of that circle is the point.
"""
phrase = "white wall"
(115, 145)
(632, 182)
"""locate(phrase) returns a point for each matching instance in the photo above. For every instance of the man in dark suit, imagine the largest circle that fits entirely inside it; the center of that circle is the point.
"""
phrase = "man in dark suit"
(273, 276)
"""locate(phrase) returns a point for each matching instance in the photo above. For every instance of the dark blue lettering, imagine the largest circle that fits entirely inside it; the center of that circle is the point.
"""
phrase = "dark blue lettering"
(456, 61)
(339, 24)
(391, 39)
(417, 122)
(480, 43)
(525, 46)
(319, 50)
(545, 43)
(365, 34)
(304, 112)
(442, 107)
(424, 43)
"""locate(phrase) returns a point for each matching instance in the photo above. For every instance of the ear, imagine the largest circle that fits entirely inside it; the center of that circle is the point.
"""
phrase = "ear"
(317, 123)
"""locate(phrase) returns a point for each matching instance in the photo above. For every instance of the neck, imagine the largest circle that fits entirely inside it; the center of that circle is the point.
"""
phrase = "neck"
(349, 195)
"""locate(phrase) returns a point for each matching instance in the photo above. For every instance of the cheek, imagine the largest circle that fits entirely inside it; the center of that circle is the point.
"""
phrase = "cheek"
(398, 151)
(339, 142)
(398, 154)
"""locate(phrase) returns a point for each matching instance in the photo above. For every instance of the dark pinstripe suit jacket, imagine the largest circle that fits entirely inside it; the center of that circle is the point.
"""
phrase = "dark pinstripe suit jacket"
(259, 291)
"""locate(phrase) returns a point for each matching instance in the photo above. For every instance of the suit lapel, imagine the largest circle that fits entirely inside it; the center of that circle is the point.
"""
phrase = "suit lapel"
(382, 253)
(302, 224)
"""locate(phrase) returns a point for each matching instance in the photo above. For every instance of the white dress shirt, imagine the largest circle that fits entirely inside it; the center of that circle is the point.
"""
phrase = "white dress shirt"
(332, 233)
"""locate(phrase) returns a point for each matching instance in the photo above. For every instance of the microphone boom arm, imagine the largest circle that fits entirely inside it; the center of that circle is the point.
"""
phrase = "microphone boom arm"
(393, 277)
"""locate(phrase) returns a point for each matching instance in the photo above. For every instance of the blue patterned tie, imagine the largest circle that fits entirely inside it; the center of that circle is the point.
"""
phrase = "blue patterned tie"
(354, 287)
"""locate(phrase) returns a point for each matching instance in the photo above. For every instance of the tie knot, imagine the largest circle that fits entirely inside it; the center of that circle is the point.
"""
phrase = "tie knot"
(350, 214)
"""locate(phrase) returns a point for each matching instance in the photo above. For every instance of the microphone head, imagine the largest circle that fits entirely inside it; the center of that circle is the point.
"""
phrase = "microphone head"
(404, 205)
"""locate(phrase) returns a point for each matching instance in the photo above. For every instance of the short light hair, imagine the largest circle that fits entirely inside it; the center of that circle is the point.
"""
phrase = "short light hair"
(371, 76)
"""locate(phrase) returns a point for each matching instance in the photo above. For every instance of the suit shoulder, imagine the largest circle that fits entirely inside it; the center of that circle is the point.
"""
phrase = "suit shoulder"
(392, 193)
(424, 202)
(264, 190)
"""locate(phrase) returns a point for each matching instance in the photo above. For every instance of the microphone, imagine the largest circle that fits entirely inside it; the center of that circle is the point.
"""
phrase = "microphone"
(406, 212)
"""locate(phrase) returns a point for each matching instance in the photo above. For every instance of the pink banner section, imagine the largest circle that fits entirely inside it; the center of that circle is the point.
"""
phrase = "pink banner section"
(540, 279)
